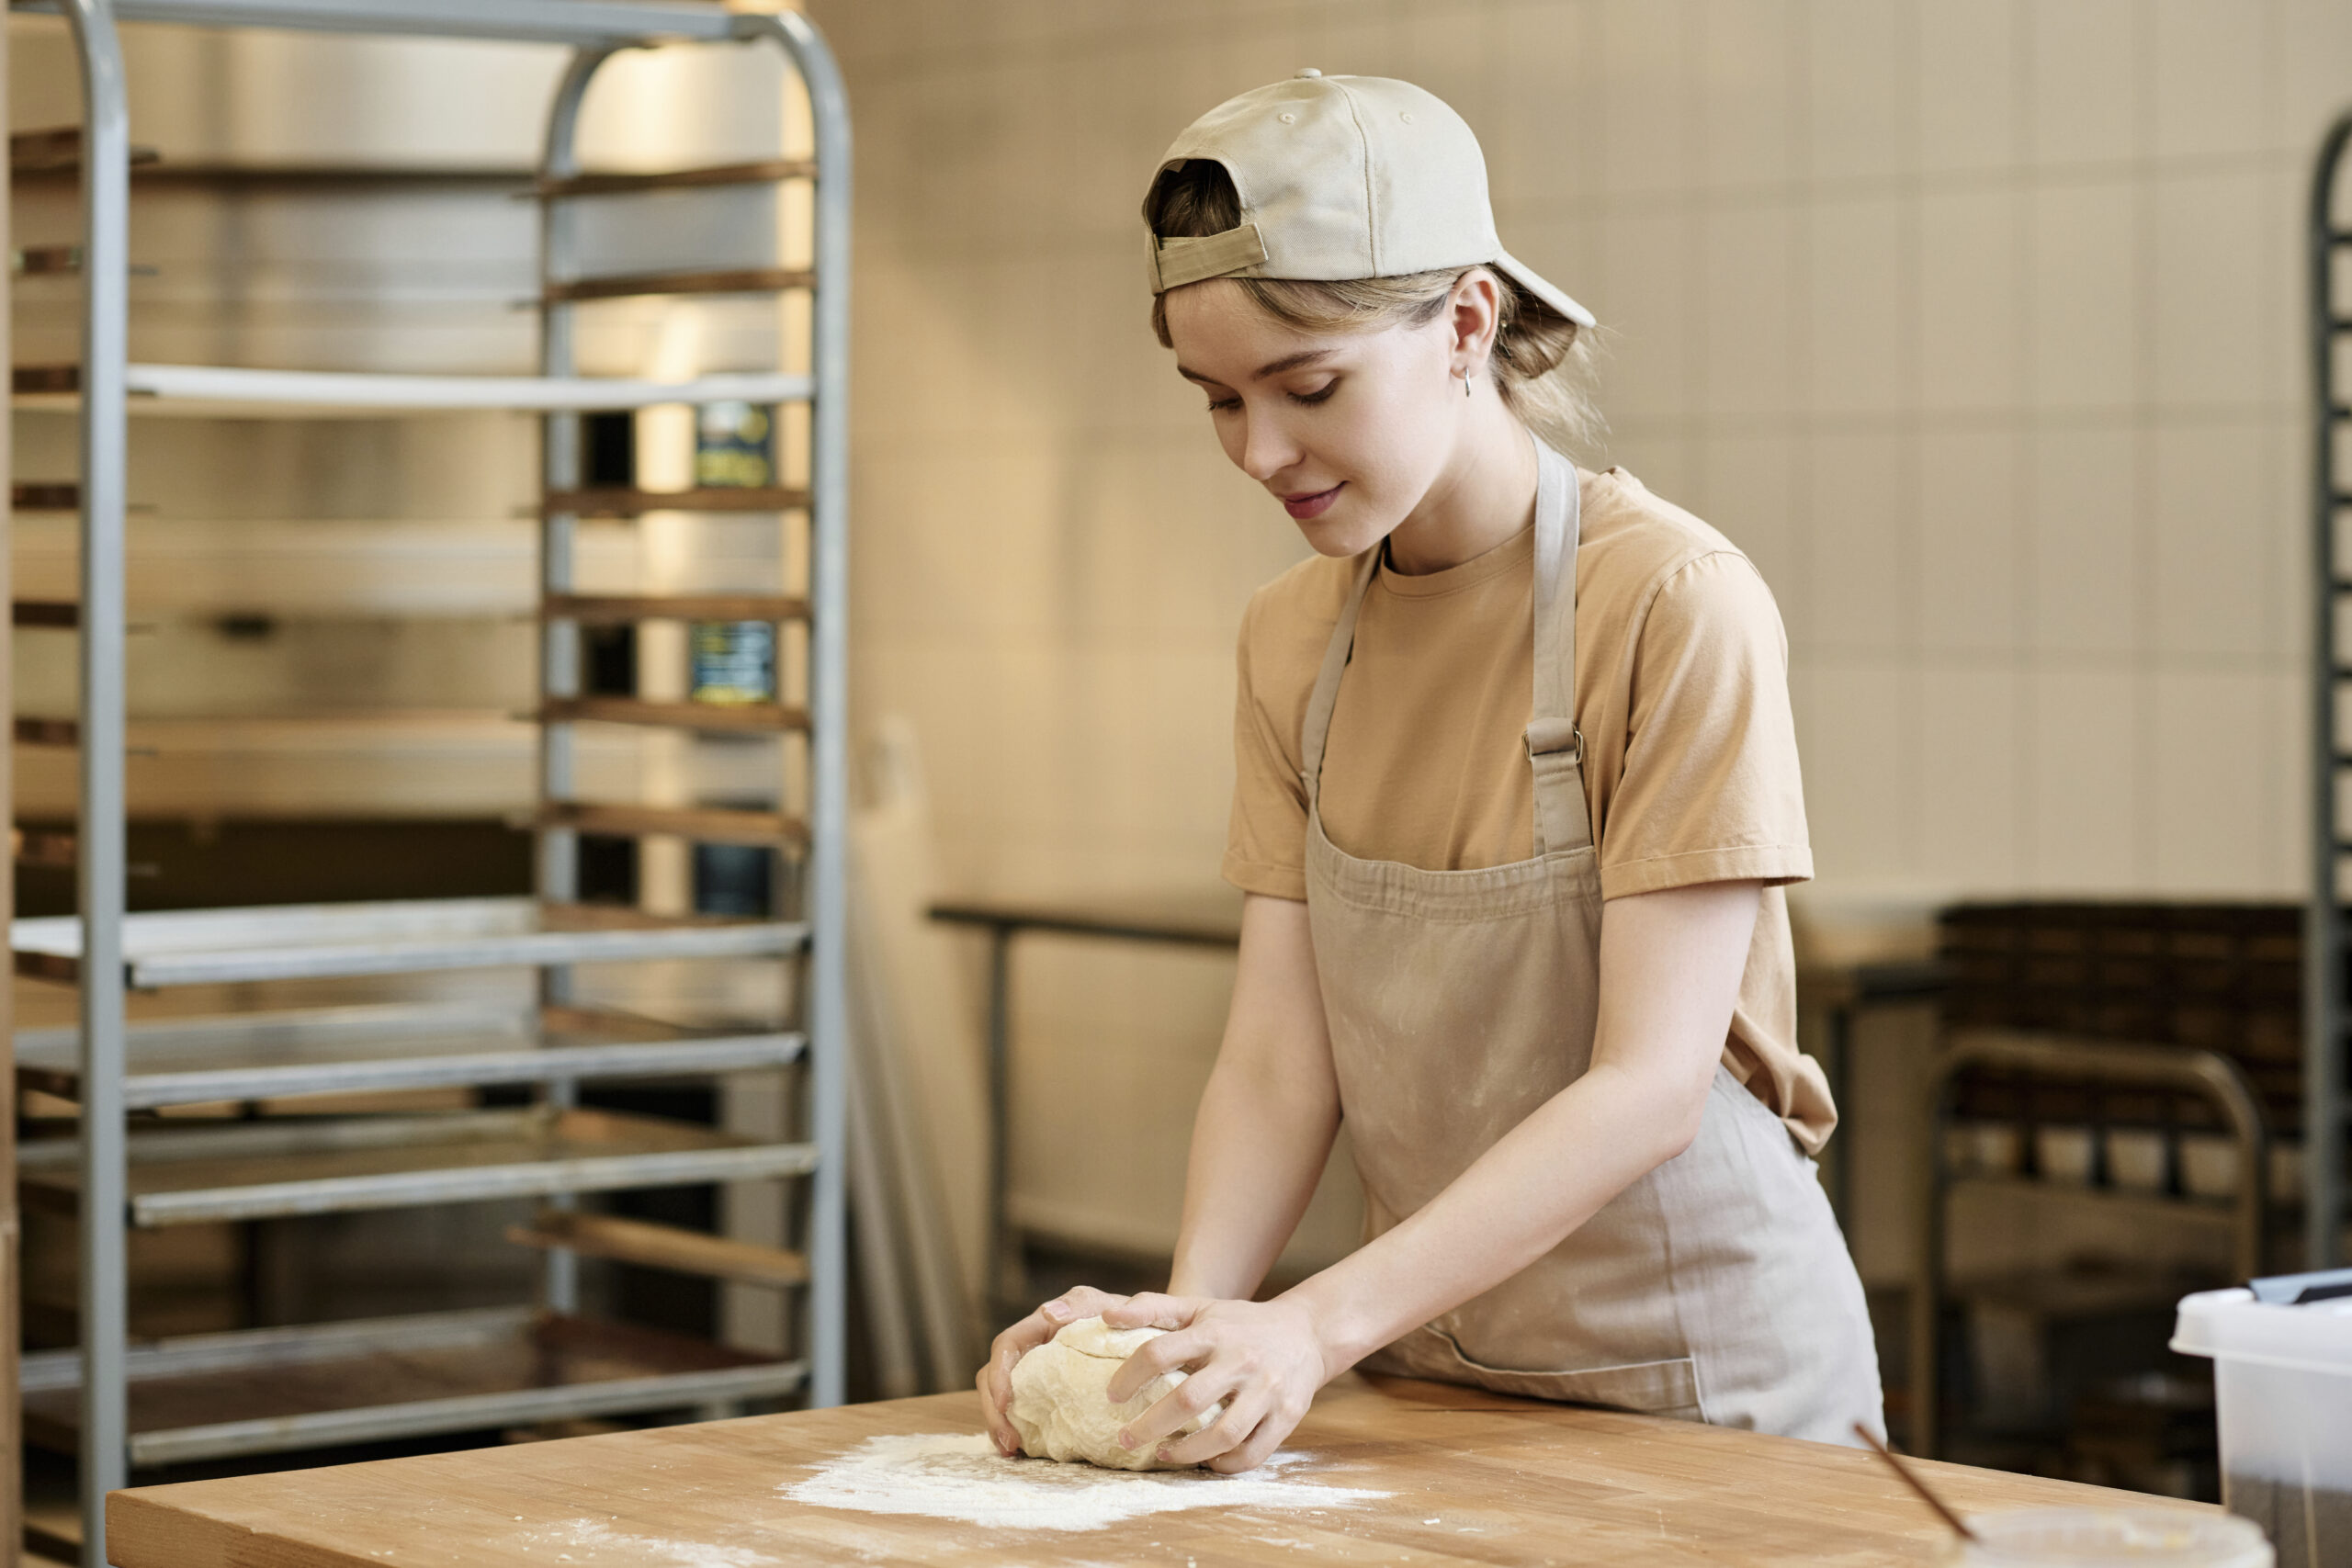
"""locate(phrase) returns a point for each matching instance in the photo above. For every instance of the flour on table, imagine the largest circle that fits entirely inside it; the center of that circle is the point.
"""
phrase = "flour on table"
(959, 1475)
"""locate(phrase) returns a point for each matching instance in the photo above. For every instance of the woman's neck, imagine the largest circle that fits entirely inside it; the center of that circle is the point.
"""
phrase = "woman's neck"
(1485, 495)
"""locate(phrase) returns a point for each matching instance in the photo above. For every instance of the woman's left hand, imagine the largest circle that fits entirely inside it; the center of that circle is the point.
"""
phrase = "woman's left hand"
(1264, 1359)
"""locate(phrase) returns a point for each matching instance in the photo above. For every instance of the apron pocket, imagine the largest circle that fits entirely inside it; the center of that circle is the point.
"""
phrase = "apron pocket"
(1646, 1388)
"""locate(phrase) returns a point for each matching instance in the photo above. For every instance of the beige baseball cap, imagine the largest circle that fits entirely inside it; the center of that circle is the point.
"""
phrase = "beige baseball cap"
(1341, 177)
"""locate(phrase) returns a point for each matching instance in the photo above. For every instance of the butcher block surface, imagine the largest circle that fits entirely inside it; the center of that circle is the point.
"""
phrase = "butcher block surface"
(1471, 1478)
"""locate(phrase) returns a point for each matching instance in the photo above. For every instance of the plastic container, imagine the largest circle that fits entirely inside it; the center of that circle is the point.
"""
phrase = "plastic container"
(2110, 1537)
(2282, 1394)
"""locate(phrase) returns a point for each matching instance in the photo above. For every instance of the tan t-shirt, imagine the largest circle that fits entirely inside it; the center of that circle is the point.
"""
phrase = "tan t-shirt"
(1682, 694)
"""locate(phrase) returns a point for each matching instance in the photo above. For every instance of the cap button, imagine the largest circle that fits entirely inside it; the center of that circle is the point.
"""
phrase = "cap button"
(1310, 70)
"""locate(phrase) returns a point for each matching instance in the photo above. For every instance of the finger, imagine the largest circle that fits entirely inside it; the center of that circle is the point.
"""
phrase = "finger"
(1175, 1410)
(1169, 1352)
(1081, 1300)
(1153, 1310)
(1243, 1414)
(996, 1398)
(1257, 1448)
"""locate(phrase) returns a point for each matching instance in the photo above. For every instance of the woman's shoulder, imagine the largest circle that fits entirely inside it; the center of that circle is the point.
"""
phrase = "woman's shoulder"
(1634, 543)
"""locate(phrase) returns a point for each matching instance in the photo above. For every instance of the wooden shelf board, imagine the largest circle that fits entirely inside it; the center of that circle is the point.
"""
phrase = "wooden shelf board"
(661, 1246)
(759, 718)
(604, 609)
(57, 151)
(638, 284)
(615, 502)
(764, 172)
(704, 824)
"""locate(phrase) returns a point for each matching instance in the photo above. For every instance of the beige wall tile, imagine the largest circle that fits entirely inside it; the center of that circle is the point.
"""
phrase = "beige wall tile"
(1749, 493)
(1970, 297)
(1748, 259)
(1861, 112)
(1747, 76)
(2087, 72)
(1858, 592)
(2213, 246)
(2209, 783)
(1541, 135)
(2315, 57)
(2211, 73)
(1970, 773)
(1970, 556)
(2214, 499)
(1859, 328)
(2287, 768)
(1642, 288)
(2087, 547)
(1968, 59)
(1649, 119)
(2088, 790)
(2085, 283)
(1857, 727)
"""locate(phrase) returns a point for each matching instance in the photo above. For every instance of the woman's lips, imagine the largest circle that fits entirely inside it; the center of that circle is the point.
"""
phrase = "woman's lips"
(1302, 507)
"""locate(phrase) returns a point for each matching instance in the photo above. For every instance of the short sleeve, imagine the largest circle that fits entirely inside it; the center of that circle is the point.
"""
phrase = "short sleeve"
(1266, 844)
(1711, 790)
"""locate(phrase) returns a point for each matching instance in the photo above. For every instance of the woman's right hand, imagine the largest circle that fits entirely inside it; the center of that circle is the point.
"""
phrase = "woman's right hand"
(996, 1379)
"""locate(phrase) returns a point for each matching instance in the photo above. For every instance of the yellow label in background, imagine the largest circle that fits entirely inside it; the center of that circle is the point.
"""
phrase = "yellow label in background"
(734, 445)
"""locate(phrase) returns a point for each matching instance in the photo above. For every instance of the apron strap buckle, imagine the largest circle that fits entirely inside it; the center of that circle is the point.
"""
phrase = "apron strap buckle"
(1551, 736)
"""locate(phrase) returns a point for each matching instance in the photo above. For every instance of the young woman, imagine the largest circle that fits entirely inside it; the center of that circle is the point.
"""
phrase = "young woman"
(1517, 795)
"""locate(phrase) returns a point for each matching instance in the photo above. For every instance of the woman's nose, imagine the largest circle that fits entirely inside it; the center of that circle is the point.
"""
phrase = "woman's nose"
(1266, 449)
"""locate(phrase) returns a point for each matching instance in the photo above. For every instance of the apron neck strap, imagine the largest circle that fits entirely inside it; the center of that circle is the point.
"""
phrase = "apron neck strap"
(1554, 745)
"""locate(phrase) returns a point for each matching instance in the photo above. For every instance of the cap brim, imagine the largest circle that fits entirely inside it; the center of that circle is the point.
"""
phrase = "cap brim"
(1533, 282)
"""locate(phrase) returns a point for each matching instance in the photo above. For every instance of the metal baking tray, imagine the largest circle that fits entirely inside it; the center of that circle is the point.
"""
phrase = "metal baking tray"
(344, 1050)
(254, 1171)
(274, 1390)
(294, 942)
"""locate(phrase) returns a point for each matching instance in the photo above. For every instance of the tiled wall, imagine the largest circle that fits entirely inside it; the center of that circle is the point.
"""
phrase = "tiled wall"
(1975, 324)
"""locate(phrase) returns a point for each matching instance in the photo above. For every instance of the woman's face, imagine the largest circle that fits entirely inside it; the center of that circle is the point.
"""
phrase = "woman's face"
(1348, 430)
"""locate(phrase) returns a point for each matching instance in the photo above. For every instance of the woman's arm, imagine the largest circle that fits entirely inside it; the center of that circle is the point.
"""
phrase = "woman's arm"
(1670, 966)
(1260, 1141)
(1268, 1115)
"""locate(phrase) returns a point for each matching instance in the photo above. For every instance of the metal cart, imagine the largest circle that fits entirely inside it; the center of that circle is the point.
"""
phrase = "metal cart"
(2205, 1076)
(206, 1397)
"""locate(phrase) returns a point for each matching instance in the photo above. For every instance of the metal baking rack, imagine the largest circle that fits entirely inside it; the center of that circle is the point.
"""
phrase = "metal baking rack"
(218, 1396)
(2327, 1046)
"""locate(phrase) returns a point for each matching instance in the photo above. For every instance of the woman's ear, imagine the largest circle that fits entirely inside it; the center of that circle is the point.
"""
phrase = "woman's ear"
(1474, 316)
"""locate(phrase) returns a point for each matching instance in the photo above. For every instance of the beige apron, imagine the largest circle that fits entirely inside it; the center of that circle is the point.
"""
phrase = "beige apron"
(1717, 1287)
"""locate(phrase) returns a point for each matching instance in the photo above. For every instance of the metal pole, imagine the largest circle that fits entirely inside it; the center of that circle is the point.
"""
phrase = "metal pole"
(106, 218)
(2325, 1039)
(11, 1288)
(1004, 1275)
(559, 857)
(828, 999)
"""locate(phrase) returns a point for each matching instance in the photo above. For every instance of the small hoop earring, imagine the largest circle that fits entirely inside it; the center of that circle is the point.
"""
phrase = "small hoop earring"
(1465, 386)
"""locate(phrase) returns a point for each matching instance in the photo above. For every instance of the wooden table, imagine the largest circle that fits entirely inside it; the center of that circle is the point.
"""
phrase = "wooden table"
(1474, 1478)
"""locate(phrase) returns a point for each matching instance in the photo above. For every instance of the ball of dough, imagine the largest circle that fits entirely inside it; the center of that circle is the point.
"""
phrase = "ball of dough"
(1061, 1402)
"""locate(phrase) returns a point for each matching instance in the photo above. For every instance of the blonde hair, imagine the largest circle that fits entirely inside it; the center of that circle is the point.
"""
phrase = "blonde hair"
(1543, 364)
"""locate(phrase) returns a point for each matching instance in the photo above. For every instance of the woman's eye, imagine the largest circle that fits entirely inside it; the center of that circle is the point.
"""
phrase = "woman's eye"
(1319, 395)
(1223, 405)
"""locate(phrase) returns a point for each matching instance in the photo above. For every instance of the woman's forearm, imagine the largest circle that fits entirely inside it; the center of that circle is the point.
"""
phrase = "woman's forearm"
(1268, 1115)
(1535, 1186)
(1259, 1148)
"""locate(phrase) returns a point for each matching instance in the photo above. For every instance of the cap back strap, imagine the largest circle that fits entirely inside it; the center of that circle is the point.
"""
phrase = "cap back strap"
(1177, 261)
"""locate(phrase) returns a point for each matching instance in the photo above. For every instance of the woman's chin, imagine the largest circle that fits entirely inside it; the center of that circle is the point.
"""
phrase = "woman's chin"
(1342, 538)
